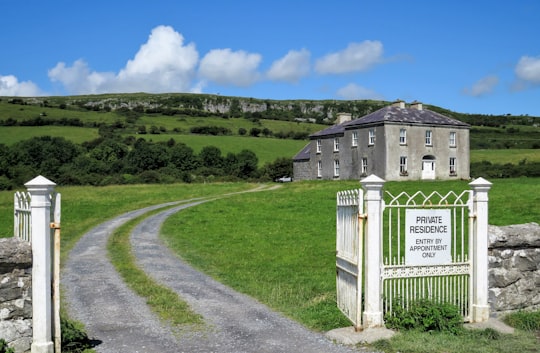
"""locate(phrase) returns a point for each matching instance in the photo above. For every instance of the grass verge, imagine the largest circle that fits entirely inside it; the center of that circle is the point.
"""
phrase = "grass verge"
(469, 341)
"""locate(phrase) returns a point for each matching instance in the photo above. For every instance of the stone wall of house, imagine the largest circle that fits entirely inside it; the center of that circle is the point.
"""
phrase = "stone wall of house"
(16, 293)
(514, 267)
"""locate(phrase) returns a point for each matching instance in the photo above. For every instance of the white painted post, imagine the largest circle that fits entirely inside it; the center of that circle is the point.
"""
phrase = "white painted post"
(40, 188)
(480, 305)
(373, 315)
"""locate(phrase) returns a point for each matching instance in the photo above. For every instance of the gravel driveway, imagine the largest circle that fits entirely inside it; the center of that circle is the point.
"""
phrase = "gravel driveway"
(96, 295)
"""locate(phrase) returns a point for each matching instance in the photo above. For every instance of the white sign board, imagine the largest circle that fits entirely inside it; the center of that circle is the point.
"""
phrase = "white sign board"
(428, 237)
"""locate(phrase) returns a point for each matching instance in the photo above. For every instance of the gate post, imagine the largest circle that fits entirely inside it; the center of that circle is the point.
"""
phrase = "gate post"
(40, 189)
(373, 315)
(480, 306)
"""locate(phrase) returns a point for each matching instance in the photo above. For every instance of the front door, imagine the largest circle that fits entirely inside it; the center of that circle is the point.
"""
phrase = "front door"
(428, 169)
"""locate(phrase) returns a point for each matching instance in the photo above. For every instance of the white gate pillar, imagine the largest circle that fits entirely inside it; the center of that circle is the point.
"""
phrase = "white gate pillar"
(40, 188)
(480, 305)
(373, 314)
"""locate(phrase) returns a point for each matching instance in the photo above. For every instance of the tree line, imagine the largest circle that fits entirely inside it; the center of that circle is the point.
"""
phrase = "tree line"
(110, 160)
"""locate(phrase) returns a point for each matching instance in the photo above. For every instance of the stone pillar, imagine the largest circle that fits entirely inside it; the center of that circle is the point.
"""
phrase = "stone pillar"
(40, 189)
(480, 305)
(373, 315)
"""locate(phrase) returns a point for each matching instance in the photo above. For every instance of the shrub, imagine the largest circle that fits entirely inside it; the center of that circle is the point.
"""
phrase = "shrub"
(74, 339)
(4, 348)
(425, 315)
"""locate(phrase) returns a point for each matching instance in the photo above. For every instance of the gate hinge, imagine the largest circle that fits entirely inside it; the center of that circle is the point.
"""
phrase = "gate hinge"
(54, 225)
(362, 216)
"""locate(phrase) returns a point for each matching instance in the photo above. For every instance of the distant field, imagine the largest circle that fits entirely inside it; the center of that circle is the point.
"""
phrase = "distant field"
(12, 134)
(505, 156)
(266, 149)
(233, 124)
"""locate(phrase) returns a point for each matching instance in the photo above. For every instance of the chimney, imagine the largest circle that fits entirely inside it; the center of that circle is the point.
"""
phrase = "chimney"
(399, 103)
(343, 117)
(416, 105)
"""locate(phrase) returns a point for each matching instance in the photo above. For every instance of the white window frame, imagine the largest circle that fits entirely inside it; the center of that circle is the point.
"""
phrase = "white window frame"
(402, 136)
(354, 141)
(429, 138)
(371, 137)
(453, 165)
(364, 166)
(336, 144)
(319, 169)
(336, 167)
(403, 165)
(319, 146)
(452, 139)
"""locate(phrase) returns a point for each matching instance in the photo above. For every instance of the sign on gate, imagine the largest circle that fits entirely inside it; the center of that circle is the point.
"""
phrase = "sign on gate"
(428, 237)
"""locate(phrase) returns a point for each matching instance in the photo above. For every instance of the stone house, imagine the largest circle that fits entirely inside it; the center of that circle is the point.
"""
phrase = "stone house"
(397, 142)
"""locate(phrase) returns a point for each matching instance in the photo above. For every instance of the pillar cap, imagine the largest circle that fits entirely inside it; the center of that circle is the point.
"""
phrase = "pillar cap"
(480, 182)
(372, 179)
(39, 181)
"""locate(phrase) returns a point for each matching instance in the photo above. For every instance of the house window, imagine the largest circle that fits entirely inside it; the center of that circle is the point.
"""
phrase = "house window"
(452, 139)
(371, 137)
(319, 144)
(429, 141)
(453, 166)
(364, 166)
(319, 169)
(403, 165)
(336, 144)
(336, 168)
(402, 136)
(354, 141)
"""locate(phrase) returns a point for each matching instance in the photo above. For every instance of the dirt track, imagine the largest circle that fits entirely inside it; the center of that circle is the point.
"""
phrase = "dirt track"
(114, 315)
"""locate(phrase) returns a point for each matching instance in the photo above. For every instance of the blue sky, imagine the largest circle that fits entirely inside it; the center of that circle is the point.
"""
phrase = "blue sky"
(471, 56)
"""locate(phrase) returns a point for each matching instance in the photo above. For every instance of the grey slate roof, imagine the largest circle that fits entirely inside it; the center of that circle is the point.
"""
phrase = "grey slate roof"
(303, 155)
(393, 114)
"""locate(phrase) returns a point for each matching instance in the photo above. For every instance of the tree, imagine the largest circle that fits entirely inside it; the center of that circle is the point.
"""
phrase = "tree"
(210, 156)
(147, 156)
(277, 169)
(255, 131)
(247, 164)
(45, 154)
(183, 158)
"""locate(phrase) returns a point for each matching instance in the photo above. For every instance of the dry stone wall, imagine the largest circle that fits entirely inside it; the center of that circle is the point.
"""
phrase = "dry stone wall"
(514, 267)
(16, 293)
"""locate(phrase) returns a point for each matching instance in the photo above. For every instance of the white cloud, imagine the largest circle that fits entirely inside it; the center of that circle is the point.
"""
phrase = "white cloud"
(483, 86)
(528, 69)
(353, 91)
(162, 64)
(356, 57)
(10, 86)
(291, 68)
(225, 67)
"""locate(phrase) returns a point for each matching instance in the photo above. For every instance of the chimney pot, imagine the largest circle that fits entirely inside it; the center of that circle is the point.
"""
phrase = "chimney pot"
(399, 103)
(416, 105)
(343, 117)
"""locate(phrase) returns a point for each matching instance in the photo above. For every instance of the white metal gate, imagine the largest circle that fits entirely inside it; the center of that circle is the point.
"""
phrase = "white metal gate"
(444, 280)
(349, 251)
(384, 258)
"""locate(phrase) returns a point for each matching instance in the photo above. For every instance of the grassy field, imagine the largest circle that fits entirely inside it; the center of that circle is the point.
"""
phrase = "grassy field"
(504, 156)
(281, 246)
(12, 134)
(266, 149)
(278, 246)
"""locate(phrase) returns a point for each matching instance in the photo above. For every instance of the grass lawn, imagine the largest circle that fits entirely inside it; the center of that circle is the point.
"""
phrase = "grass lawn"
(279, 246)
